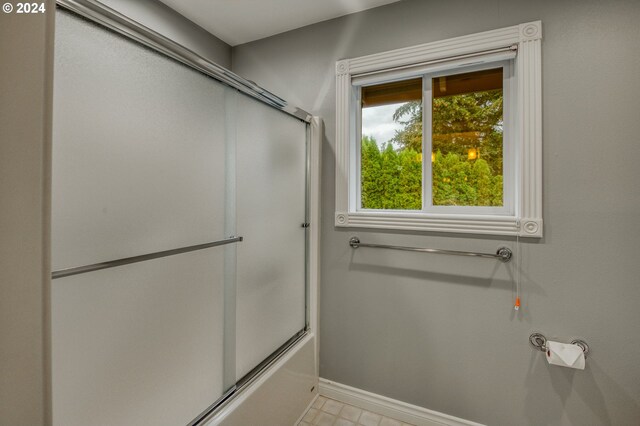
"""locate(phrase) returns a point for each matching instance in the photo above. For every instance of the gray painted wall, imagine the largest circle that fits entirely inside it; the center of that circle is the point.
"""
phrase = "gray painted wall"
(164, 20)
(439, 331)
(26, 63)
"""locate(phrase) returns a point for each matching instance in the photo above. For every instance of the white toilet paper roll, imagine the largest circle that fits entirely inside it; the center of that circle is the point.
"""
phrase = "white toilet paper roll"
(565, 355)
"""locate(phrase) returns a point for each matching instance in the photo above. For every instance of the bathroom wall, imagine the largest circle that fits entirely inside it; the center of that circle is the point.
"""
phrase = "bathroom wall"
(440, 331)
(26, 53)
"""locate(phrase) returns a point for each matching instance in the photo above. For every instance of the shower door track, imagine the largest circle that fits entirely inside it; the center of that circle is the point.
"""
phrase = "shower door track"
(248, 379)
(115, 21)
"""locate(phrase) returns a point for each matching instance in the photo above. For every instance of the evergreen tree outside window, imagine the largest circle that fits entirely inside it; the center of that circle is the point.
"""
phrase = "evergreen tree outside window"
(391, 167)
(465, 143)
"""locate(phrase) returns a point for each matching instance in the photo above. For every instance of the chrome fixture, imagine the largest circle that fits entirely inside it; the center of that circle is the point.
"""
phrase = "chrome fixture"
(503, 254)
(135, 259)
(97, 12)
(539, 341)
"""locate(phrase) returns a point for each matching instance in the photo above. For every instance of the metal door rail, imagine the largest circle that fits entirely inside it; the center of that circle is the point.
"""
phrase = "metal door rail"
(135, 259)
(503, 254)
(96, 11)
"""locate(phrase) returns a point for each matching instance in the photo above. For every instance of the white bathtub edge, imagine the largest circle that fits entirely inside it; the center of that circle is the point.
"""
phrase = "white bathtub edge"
(280, 395)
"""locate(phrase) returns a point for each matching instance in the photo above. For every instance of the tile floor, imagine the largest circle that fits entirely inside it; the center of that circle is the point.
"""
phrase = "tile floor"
(329, 412)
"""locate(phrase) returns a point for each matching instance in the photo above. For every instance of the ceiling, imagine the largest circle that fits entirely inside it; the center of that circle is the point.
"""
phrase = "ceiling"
(242, 21)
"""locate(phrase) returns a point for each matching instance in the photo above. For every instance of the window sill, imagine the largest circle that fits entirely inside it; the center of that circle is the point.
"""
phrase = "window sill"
(465, 224)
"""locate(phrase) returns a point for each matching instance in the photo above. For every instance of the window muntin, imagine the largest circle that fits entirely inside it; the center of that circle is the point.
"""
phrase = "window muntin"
(466, 130)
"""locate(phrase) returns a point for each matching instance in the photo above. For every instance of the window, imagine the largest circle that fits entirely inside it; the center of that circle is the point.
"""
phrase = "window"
(444, 136)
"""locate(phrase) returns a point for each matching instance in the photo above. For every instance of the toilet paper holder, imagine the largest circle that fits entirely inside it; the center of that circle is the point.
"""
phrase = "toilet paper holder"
(539, 342)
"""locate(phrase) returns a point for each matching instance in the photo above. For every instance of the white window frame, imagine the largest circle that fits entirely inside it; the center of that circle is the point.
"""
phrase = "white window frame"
(523, 152)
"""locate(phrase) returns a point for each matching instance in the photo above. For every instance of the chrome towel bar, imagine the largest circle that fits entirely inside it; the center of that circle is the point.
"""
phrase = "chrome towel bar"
(503, 254)
(135, 259)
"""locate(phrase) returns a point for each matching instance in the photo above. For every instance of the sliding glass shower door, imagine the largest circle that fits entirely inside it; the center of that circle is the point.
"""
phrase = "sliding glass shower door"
(158, 309)
(271, 187)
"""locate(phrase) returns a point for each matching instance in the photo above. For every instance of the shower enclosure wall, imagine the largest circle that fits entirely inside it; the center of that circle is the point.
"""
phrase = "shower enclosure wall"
(180, 233)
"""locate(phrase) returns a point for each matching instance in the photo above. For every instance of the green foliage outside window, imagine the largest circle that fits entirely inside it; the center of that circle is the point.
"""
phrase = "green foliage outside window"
(391, 177)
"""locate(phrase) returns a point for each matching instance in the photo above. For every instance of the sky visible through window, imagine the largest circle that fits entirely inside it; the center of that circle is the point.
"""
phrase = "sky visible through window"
(377, 122)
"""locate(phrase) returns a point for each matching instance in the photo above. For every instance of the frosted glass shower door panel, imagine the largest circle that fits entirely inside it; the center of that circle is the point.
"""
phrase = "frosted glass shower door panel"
(139, 344)
(138, 149)
(270, 176)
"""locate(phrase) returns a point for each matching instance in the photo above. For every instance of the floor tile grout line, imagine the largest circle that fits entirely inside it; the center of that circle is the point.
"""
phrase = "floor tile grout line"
(335, 417)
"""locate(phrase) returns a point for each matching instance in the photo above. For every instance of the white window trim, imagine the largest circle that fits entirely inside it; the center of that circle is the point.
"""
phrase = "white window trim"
(527, 218)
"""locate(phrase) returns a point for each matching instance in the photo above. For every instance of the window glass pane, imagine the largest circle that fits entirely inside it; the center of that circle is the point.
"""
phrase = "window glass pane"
(467, 130)
(391, 149)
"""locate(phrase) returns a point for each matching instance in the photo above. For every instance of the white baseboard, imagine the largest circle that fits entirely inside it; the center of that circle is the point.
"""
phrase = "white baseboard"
(389, 407)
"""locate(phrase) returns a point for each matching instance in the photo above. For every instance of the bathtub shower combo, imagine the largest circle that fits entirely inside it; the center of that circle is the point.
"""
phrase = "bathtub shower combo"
(182, 248)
